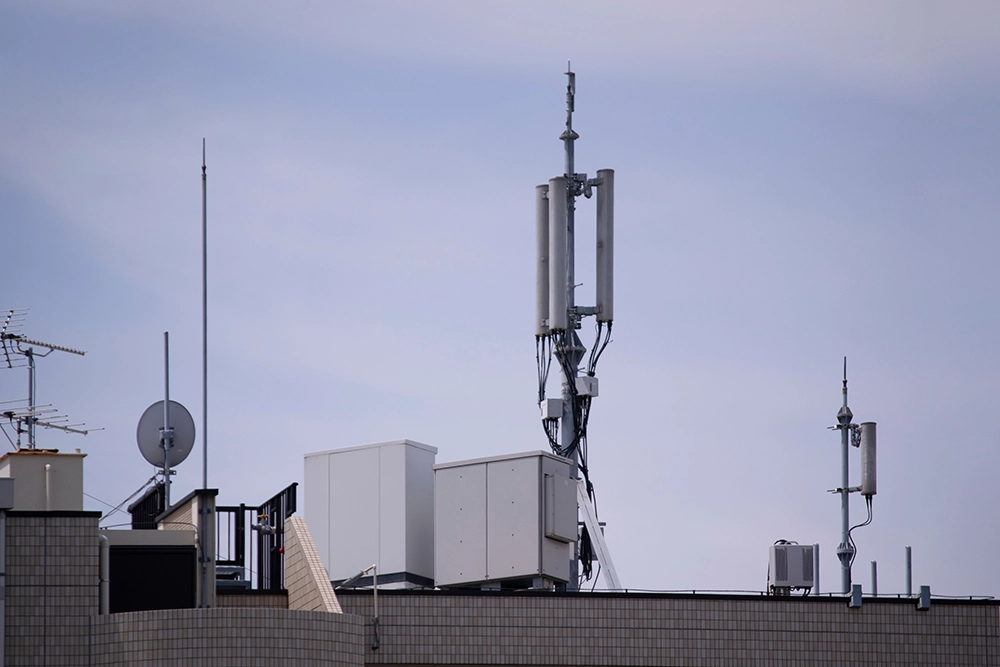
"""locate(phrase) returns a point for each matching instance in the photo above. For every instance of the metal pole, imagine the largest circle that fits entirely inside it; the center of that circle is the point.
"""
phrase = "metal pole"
(30, 354)
(874, 579)
(204, 320)
(844, 551)
(909, 572)
(815, 589)
(575, 351)
(166, 434)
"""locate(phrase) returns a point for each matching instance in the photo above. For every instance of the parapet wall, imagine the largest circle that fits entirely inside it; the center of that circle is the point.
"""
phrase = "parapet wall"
(458, 628)
(236, 637)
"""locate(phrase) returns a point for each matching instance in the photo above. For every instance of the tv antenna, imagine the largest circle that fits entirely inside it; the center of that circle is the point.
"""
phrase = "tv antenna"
(557, 319)
(24, 415)
(856, 435)
(165, 433)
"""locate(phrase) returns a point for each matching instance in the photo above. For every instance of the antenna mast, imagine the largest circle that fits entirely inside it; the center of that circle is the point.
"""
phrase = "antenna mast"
(558, 318)
(204, 319)
(27, 417)
(862, 436)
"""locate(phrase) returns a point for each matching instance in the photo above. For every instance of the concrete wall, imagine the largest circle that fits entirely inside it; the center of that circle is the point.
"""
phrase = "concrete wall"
(227, 638)
(443, 628)
(52, 582)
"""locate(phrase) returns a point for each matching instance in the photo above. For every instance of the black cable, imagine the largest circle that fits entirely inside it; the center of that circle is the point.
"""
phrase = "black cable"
(850, 538)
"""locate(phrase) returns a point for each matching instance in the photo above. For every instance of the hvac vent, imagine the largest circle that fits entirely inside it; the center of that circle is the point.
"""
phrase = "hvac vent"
(791, 566)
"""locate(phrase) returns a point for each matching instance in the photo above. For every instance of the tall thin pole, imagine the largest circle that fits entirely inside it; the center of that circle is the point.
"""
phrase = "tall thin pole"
(575, 352)
(204, 319)
(844, 550)
(167, 433)
(30, 354)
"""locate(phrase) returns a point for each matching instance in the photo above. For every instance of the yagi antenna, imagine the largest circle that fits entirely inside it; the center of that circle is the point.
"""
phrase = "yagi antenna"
(558, 317)
(25, 418)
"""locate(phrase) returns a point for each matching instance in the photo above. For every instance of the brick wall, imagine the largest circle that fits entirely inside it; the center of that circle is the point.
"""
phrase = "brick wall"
(444, 628)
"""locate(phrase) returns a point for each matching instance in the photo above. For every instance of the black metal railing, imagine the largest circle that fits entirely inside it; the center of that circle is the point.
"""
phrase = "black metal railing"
(230, 533)
(265, 556)
(271, 543)
(145, 510)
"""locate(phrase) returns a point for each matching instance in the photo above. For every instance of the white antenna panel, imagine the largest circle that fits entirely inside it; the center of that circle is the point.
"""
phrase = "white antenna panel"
(868, 486)
(542, 260)
(605, 245)
(557, 253)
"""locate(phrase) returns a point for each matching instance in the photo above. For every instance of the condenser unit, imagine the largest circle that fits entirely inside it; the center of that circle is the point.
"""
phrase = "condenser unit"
(791, 566)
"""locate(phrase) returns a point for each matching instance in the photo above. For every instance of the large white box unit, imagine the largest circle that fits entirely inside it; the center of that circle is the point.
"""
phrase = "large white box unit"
(45, 479)
(374, 504)
(504, 520)
(791, 566)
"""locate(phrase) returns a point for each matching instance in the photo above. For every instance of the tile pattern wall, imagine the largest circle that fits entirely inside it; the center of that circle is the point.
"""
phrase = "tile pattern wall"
(256, 599)
(306, 579)
(181, 517)
(53, 569)
(610, 629)
(227, 637)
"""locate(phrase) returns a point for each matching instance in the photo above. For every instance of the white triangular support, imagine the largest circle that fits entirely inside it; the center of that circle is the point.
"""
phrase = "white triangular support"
(597, 537)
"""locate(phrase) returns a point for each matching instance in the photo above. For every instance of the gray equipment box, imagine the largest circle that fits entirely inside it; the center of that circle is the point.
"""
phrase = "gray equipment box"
(505, 520)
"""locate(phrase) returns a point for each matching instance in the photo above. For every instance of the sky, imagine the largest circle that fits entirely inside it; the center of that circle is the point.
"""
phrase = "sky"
(795, 183)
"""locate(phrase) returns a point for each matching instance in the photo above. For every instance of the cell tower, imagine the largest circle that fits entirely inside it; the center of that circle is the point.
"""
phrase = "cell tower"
(557, 319)
(863, 436)
(25, 414)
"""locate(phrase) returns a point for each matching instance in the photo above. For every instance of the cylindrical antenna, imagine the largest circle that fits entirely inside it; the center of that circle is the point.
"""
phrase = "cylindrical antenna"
(605, 245)
(204, 319)
(557, 254)
(874, 579)
(909, 571)
(166, 434)
(815, 588)
(868, 486)
(541, 260)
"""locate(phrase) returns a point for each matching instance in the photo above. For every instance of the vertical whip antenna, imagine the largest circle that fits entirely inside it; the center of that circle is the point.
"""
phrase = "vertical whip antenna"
(204, 319)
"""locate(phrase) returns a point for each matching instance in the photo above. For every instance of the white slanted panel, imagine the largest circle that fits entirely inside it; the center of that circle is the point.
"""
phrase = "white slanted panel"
(597, 537)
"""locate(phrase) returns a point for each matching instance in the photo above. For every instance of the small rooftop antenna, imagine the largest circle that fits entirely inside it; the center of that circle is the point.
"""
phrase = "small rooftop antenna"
(165, 433)
(26, 417)
(856, 435)
(557, 319)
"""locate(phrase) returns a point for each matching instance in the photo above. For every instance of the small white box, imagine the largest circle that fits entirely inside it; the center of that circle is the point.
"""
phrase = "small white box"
(551, 408)
(586, 385)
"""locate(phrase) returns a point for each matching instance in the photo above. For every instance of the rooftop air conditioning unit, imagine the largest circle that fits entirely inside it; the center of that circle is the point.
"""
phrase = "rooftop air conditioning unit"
(791, 566)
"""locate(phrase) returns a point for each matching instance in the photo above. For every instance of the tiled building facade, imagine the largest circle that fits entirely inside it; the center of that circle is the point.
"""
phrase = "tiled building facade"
(51, 617)
(542, 628)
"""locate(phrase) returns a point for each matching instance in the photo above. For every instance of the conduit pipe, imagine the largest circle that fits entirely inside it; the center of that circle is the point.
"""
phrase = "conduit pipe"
(105, 580)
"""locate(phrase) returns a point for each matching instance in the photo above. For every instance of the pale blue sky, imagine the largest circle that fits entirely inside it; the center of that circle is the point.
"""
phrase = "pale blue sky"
(794, 184)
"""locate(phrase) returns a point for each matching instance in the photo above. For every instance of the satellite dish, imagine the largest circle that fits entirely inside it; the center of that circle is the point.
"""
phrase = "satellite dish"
(147, 434)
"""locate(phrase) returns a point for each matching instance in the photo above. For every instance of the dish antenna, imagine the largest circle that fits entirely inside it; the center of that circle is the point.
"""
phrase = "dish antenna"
(26, 417)
(165, 433)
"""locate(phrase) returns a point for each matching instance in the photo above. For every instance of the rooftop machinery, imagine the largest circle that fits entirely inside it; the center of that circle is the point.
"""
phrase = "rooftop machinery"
(558, 317)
